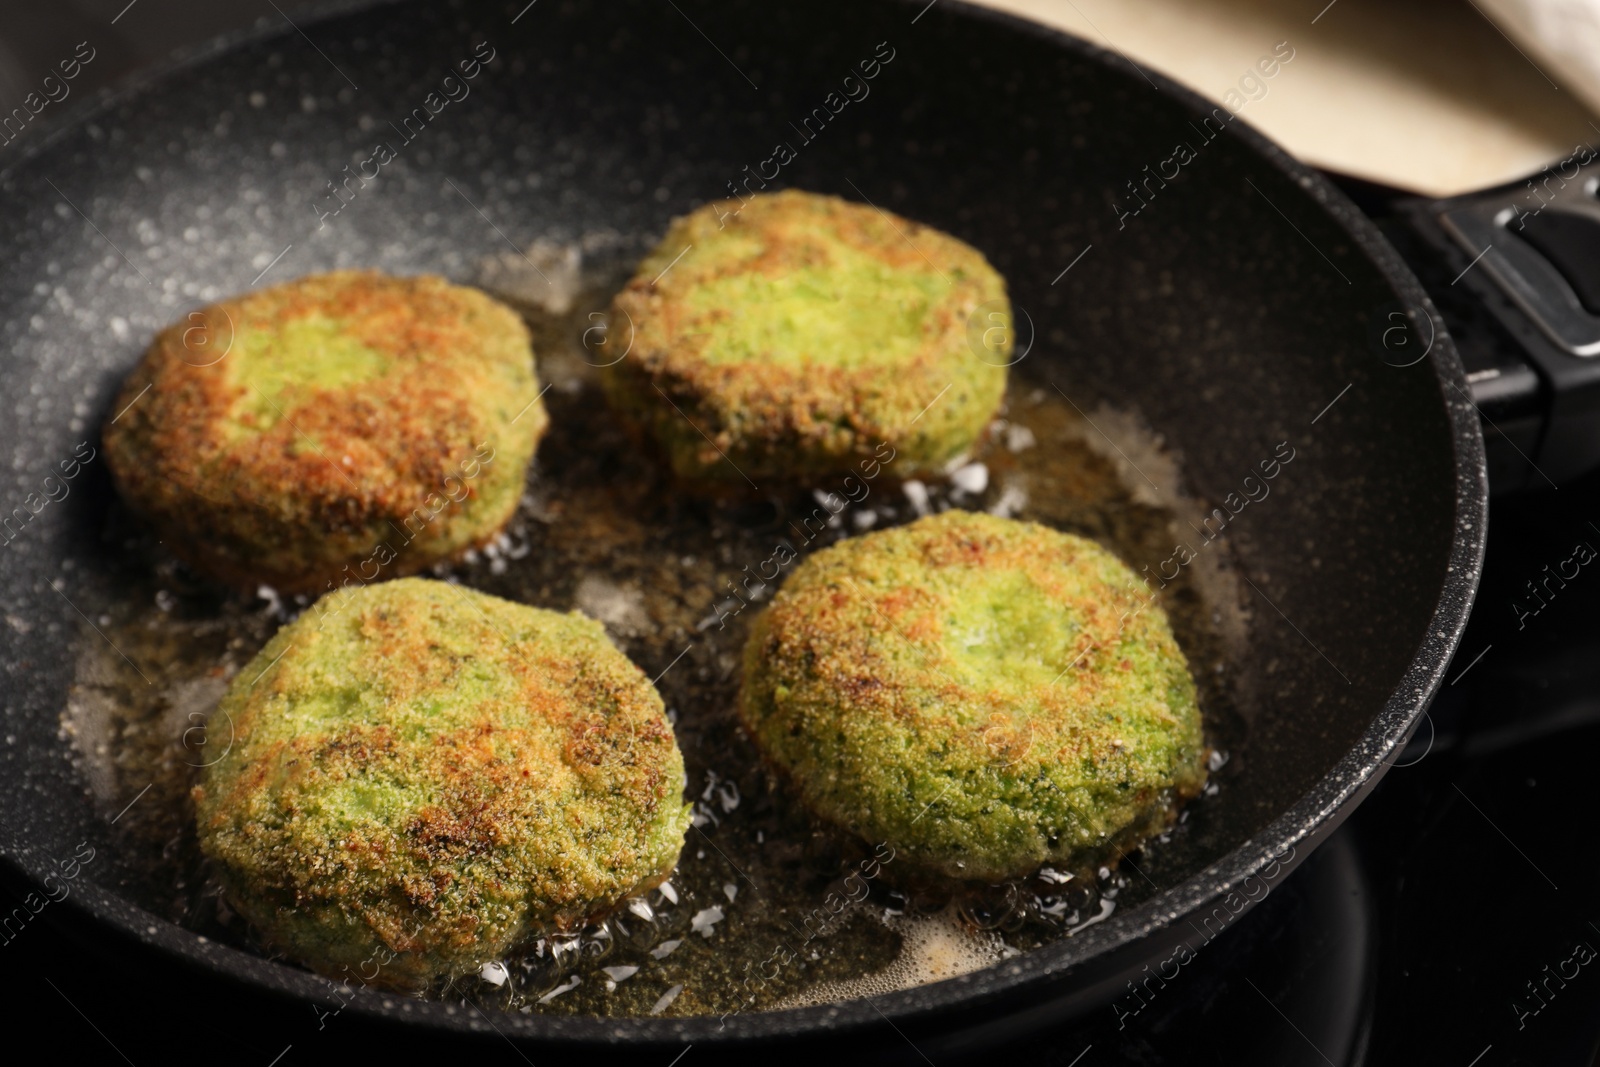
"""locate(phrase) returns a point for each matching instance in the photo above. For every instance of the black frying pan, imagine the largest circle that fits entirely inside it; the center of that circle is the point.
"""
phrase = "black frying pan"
(1234, 311)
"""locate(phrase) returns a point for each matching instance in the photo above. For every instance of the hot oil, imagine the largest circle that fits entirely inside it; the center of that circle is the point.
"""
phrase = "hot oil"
(762, 910)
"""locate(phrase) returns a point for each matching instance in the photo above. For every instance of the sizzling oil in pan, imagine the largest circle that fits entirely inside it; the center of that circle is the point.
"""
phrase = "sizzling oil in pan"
(762, 910)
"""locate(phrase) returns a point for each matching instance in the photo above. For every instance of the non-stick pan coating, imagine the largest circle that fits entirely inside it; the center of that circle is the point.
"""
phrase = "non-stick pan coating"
(1229, 312)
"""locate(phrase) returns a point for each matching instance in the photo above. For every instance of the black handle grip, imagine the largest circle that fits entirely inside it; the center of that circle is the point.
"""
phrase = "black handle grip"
(1515, 272)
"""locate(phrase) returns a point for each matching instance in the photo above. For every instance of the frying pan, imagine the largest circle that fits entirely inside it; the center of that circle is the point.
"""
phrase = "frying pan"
(1234, 311)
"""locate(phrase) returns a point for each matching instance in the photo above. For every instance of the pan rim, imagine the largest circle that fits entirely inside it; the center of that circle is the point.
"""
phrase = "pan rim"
(1315, 814)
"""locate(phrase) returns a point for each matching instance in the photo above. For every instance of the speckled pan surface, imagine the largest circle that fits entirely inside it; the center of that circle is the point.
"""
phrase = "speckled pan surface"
(1206, 312)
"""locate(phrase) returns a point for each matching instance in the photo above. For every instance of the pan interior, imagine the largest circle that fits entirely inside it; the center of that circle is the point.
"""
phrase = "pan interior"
(1184, 344)
(765, 909)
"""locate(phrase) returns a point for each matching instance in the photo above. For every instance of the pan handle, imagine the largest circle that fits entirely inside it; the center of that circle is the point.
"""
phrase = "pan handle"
(1515, 271)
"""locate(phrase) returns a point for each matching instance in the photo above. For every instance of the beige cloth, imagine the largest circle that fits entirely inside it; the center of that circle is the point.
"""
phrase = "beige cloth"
(1426, 95)
(1562, 37)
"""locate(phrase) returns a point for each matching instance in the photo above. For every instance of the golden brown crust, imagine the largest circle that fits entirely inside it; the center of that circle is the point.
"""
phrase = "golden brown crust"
(428, 777)
(986, 695)
(277, 465)
(814, 404)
